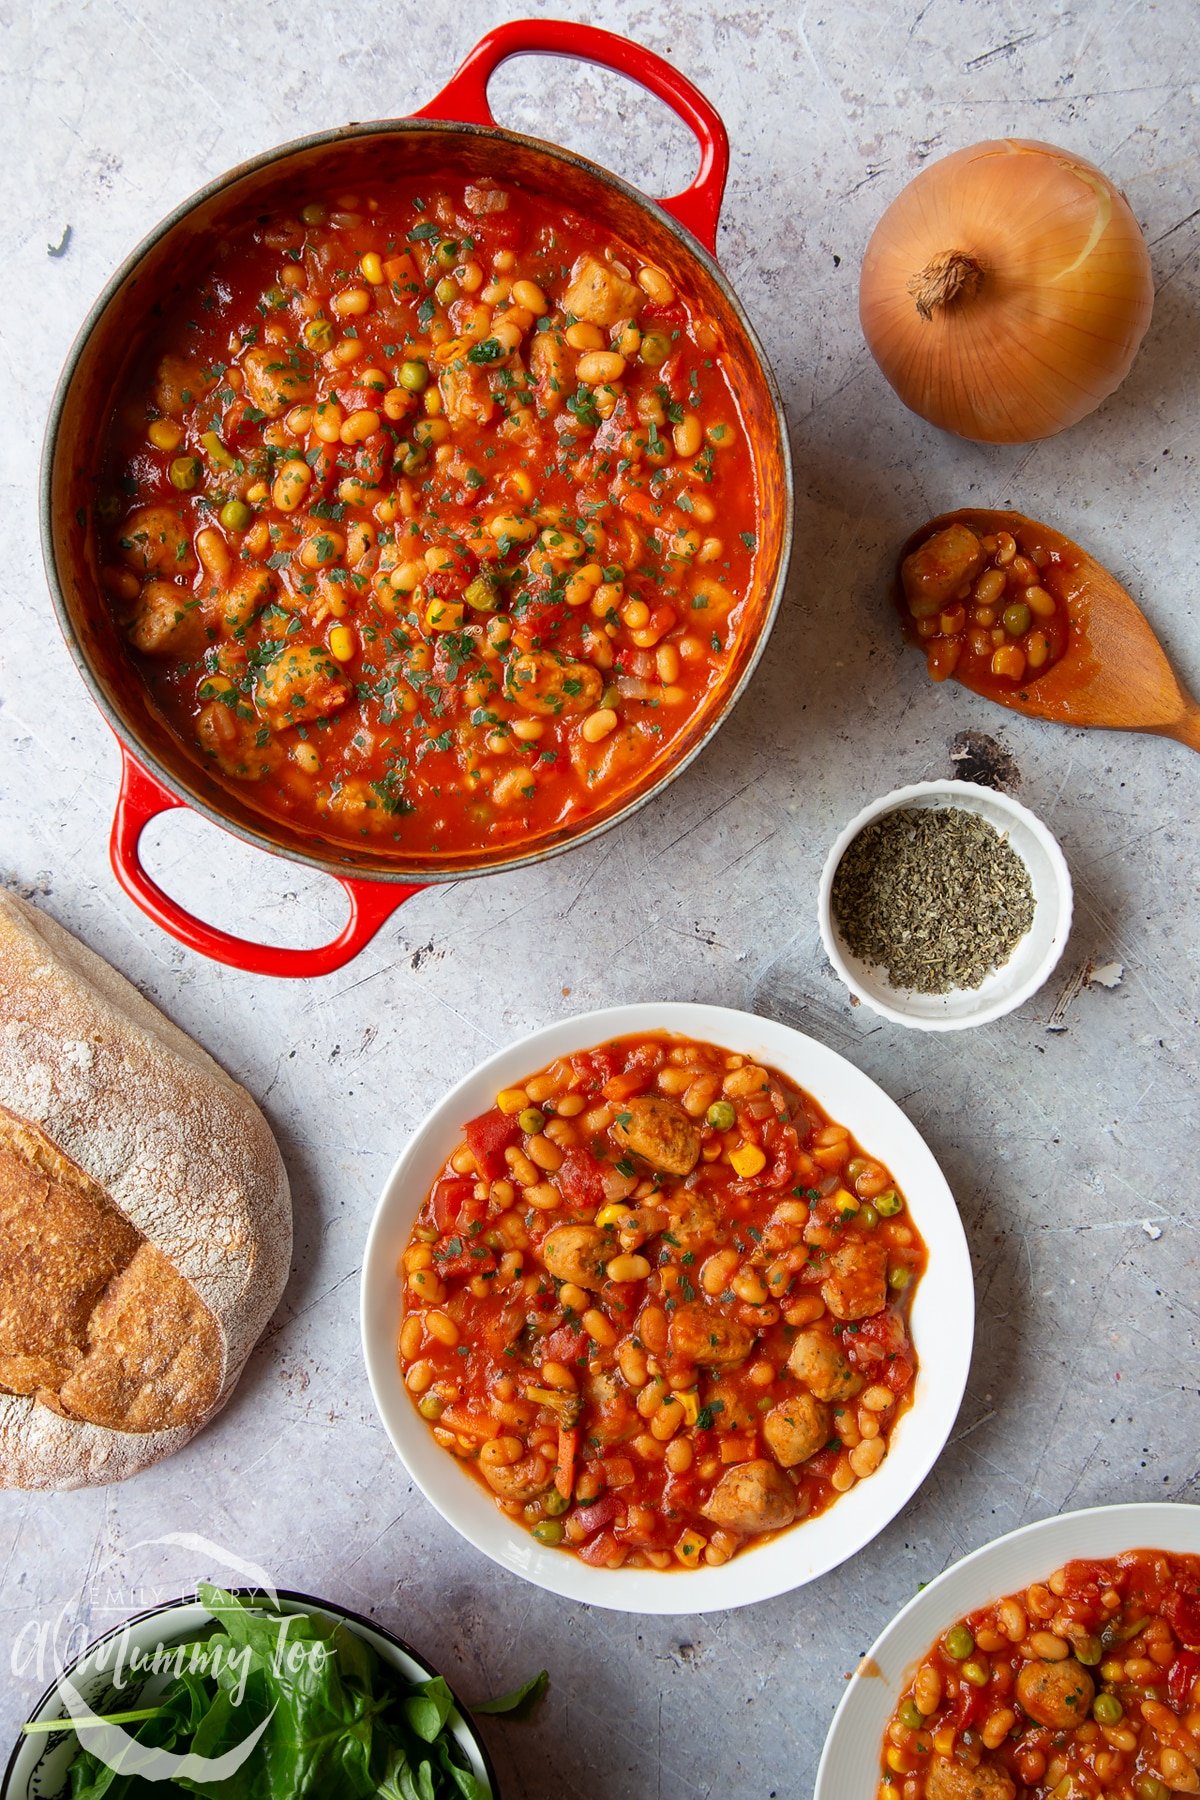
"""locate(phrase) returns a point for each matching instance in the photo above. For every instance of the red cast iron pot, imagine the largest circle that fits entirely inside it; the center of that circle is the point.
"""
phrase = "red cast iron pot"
(456, 136)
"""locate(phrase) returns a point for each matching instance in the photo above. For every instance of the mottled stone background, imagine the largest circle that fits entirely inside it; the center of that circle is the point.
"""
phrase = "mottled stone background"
(1071, 1151)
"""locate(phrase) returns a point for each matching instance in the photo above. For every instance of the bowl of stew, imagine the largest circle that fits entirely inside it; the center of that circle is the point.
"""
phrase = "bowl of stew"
(416, 499)
(1062, 1659)
(667, 1308)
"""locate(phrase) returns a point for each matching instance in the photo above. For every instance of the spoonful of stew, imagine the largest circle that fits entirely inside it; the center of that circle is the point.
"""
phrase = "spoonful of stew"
(1023, 616)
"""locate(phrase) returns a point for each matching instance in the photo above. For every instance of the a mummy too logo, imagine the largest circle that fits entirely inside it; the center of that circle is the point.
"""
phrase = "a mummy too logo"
(109, 1696)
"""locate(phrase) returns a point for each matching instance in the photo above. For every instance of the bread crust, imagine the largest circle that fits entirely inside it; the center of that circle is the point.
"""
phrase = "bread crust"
(151, 1123)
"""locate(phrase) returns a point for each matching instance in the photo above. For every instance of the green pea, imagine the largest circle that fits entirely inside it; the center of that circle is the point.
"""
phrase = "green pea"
(185, 472)
(868, 1216)
(655, 349)
(414, 375)
(1089, 1650)
(889, 1203)
(911, 1715)
(899, 1278)
(431, 1406)
(1149, 1787)
(314, 213)
(549, 1531)
(531, 1120)
(958, 1643)
(611, 697)
(446, 290)
(977, 1673)
(411, 457)
(722, 1115)
(446, 254)
(1107, 1710)
(235, 515)
(555, 1503)
(858, 1165)
(1017, 618)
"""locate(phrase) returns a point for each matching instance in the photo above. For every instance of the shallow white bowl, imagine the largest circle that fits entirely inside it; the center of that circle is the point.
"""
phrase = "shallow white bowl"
(850, 1764)
(37, 1768)
(1031, 963)
(943, 1320)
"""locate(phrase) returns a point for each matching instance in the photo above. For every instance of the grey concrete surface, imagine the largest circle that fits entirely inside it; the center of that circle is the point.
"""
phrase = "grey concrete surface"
(1072, 1151)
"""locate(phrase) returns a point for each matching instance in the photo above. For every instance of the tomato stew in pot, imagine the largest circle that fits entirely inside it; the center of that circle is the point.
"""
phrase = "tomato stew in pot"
(429, 516)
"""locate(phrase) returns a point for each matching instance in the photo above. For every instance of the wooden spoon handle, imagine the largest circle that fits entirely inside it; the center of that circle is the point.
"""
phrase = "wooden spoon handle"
(1187, 727)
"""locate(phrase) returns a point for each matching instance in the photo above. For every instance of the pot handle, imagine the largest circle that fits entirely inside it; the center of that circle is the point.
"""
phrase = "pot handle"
(141, 799)
(464, 99)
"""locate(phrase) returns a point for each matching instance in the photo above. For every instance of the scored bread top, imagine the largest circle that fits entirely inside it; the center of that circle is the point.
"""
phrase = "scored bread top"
(162, 1222)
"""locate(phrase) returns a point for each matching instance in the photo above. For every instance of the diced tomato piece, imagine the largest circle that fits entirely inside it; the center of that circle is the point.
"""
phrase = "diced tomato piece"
(600, 1552)
(488, 1137)
(974, 1704)
(540, 617)
(465, 1262)
(449, 1198)
(1181, 1682)
(602, 1512)
(567, 1344)
(620, 1471)
(358, 399)
(580, 1179)
(1181, 1609)
(822, 1464)
(879, 1344)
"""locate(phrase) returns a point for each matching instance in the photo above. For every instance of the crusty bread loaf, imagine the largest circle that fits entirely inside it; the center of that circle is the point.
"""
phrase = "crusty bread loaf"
(145, 1222)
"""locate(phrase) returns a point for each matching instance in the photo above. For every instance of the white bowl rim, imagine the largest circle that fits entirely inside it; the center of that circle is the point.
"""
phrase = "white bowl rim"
(871, 1694)
(969, 793)
(791, 1559)
(190, 1612)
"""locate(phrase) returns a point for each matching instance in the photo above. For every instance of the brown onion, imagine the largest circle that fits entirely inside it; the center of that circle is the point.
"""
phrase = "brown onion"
(1005, 292)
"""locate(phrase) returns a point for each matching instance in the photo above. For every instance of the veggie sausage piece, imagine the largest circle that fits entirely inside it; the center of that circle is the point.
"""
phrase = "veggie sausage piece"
(576, 1253)
(1056, 1693)
(660, 1131)
(856, 1285)
(820, 1365)
(753, 1496)
(700, 1334)
(303, 683)
(796, 1429)
(935, 572)
(950, 1781)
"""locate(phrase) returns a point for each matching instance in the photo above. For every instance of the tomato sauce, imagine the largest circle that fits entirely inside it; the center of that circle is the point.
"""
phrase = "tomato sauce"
(658, 1303)
(430, 518)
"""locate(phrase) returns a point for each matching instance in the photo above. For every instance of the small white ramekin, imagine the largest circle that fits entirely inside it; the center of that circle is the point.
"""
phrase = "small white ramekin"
(1032, 962)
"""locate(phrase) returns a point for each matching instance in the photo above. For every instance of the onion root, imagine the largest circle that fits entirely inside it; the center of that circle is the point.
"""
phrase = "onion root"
(950, 276)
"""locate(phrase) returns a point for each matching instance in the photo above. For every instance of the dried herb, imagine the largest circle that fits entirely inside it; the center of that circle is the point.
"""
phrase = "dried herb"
(933, 895)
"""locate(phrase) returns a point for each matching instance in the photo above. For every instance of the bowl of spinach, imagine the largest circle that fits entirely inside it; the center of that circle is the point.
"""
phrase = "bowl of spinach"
(241, 1696)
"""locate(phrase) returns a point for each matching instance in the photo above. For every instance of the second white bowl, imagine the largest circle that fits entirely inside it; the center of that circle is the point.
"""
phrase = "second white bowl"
(943, 1319)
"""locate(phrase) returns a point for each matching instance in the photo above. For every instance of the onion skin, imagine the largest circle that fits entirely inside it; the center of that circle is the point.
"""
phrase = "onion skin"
(1005, 292)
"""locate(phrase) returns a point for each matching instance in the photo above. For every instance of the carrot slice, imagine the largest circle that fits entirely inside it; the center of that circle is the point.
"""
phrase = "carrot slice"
(564, 1474)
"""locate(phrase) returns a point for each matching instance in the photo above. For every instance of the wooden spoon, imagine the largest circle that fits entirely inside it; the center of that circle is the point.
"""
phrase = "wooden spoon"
(1113, 672)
